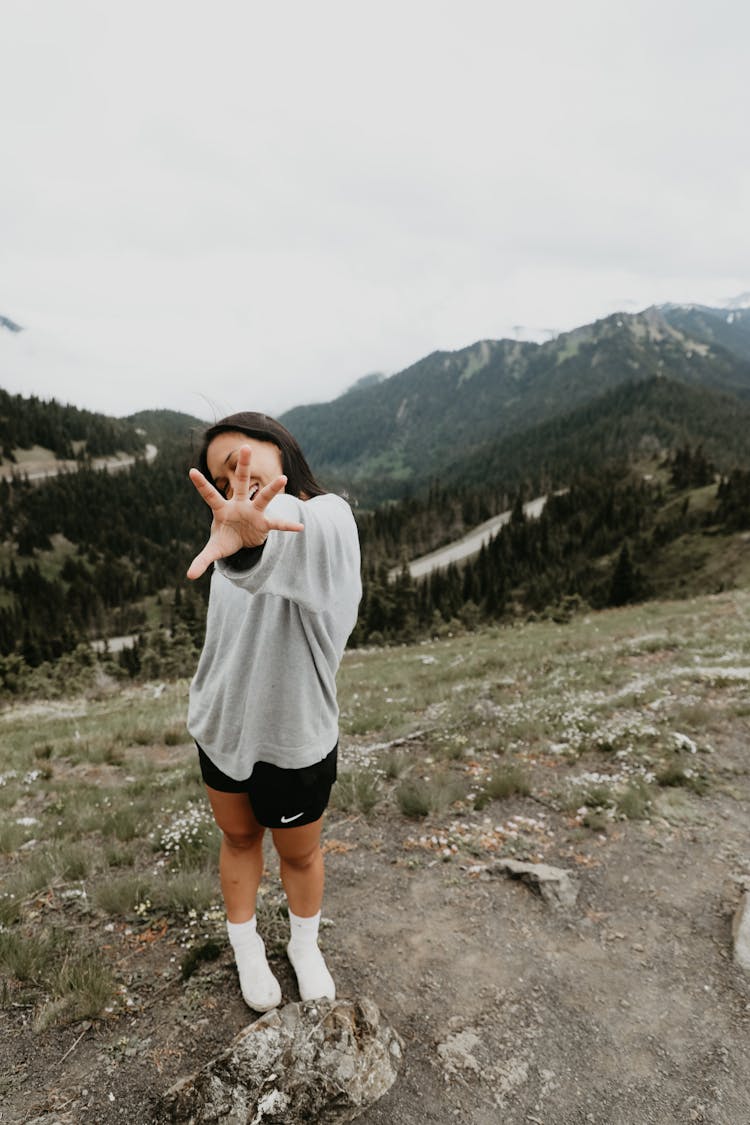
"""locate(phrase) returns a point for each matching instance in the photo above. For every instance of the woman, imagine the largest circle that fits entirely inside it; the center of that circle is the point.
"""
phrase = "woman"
(263, 710)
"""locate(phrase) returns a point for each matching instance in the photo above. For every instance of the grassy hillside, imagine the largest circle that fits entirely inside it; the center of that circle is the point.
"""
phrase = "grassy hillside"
(168, 426)
(607, 746)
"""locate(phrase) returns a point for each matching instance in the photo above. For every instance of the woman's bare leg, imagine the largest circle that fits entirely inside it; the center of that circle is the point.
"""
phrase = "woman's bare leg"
(301, 866)
(241, 869)
(241, 855)
(302, 875)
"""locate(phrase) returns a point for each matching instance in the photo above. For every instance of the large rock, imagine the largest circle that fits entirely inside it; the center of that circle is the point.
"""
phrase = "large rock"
(320, 1061)
(557, 887)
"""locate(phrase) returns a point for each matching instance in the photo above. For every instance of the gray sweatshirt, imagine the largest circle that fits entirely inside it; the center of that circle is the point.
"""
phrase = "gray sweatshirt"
(265, 688)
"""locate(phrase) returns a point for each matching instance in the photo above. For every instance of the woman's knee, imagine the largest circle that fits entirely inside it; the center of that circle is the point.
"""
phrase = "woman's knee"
(243, 840)
(301, 859)
(299, 847)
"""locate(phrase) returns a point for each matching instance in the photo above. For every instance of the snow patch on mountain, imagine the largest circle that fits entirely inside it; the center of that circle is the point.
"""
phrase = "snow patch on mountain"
(737, 303)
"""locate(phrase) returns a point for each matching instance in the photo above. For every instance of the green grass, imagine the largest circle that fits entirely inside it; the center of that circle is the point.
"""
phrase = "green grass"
(394, 764)
(72, 980)
(175, 735)
(356, 790)
(187, 890)
(28, 956)
(117, 856)
(81, 986)
(119, 895)
(11, 837)
(635, 801)
(417, 799)
(676, 774)
(170, 892)
(125, 823)
(596, 796)
(507, 781)
(413, 800)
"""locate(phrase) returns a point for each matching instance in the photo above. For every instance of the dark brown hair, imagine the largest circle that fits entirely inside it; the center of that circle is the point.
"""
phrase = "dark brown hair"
(300, 480)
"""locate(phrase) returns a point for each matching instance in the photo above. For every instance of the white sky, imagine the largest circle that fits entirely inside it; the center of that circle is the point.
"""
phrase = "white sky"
(244, 205)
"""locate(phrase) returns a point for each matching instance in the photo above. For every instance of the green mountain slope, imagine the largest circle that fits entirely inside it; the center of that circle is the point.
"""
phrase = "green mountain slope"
(159, 426)
(631, 421)
(401, 431)
(725, 328)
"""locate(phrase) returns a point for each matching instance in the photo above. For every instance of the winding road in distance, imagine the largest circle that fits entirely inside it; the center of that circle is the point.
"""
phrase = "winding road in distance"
(38, 470)
(469, 544)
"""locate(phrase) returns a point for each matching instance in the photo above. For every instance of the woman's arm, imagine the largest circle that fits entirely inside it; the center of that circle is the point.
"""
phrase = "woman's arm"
(317, 570)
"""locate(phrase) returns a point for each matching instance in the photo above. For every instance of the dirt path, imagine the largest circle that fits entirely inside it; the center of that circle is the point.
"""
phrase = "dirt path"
(628, 1011)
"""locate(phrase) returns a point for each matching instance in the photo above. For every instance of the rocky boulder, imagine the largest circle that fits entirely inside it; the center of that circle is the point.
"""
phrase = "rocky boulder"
(557, 887)
(321, 1060)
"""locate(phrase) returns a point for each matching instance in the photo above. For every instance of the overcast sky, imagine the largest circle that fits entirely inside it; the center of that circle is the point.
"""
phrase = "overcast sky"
(236, 205)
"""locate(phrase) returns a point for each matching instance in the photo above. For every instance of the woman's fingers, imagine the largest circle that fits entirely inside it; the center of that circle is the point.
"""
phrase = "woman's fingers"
(263, 498)
(284, 525)
(213, 498)
(265, 495)
(241, 489)
(201, 562)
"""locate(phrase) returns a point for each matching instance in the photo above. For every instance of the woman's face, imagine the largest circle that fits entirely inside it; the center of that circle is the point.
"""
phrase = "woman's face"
(221, 457)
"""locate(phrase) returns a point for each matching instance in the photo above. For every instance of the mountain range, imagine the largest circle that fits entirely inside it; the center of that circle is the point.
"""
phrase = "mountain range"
(495, 412)
(384, 437)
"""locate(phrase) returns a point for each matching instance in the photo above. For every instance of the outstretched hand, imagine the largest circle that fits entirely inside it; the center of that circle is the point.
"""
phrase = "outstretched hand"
(239, 522)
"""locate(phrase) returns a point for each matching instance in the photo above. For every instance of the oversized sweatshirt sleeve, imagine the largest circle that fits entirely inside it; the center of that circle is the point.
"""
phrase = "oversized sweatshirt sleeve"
(317, 568)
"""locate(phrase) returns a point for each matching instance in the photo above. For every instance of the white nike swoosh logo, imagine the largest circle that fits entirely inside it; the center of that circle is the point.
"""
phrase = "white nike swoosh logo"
(286, 819)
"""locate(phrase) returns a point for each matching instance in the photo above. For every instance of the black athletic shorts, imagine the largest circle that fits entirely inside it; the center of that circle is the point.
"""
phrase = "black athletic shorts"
(280, 798)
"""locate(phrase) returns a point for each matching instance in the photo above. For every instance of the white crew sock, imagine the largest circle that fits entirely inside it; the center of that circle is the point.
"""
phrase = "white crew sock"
(260, 989)
(313, 979)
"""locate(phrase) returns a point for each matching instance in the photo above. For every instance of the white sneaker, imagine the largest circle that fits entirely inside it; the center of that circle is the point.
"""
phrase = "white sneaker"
(313, 979)
(260, 989)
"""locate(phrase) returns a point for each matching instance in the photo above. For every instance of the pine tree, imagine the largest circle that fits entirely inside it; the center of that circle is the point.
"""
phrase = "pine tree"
(624, 585)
